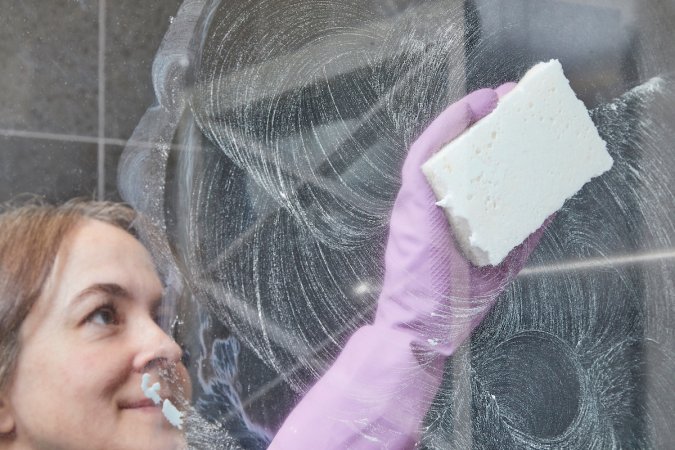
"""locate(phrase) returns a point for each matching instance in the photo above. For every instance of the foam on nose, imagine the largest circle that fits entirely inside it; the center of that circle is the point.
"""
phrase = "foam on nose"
(171, 413)
(151, 392)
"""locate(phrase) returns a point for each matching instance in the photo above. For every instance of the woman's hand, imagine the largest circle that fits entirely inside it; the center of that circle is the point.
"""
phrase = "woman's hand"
(431, 291)
(379, 389)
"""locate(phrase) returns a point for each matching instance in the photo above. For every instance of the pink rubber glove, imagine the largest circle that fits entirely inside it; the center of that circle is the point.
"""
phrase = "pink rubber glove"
(377, 392)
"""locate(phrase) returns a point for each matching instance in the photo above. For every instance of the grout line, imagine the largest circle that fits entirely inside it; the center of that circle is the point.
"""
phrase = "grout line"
(81, 139)
(100, 192)
(59, 137)
(600, 263)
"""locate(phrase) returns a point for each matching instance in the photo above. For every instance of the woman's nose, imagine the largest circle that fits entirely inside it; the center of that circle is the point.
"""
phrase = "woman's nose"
(155, 347)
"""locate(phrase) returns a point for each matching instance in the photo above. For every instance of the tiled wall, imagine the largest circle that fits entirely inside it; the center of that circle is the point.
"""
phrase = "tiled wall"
(74, 81)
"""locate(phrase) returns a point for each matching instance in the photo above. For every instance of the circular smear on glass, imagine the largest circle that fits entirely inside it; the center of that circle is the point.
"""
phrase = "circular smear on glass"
(536, 382)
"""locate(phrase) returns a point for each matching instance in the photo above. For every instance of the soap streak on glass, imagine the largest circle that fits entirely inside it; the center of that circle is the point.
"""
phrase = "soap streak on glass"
(286, 160)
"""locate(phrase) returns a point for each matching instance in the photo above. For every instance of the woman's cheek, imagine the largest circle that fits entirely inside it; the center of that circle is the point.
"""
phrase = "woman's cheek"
(102, 370)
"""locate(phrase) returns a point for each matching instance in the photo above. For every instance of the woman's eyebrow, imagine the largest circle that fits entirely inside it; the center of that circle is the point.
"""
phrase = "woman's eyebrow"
(109, 289)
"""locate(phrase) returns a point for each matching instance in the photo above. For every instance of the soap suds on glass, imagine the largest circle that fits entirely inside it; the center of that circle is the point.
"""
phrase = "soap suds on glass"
(287, 178)
(171, 413)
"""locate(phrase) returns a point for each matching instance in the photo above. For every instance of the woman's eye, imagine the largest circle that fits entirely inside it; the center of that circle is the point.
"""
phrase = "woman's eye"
(105, 315)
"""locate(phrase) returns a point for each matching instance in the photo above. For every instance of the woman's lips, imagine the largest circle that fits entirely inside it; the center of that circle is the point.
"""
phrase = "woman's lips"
(148, 403)
(144, 404)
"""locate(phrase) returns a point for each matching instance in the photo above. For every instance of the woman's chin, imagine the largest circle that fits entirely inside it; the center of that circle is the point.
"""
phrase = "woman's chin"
(149, 429)
(164, 439)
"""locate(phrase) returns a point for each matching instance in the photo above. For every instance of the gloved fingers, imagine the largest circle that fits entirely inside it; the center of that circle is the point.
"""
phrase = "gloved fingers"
(488, 280)
(519, 255)
(444, 128)
(532, 241)
(505, 88)
(447, 126)
(481, 103)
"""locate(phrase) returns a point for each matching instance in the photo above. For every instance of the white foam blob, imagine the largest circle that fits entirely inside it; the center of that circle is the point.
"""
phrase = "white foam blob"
(171, 413)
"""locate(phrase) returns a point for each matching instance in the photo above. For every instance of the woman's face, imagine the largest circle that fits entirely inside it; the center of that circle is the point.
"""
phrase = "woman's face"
(85, 346)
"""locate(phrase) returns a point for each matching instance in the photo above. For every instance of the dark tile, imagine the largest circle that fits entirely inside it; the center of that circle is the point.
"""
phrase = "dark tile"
(49, 77)
(54, 169)
(134, 32)
(593, 43)
(112, 159)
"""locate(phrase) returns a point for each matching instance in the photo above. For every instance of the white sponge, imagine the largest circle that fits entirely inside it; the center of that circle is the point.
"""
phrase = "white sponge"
(505, 175)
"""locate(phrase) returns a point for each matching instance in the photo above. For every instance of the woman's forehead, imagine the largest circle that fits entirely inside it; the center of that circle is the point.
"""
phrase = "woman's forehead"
(100, 253)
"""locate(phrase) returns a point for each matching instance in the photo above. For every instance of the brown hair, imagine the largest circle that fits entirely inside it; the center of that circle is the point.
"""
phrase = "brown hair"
(31, 235)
